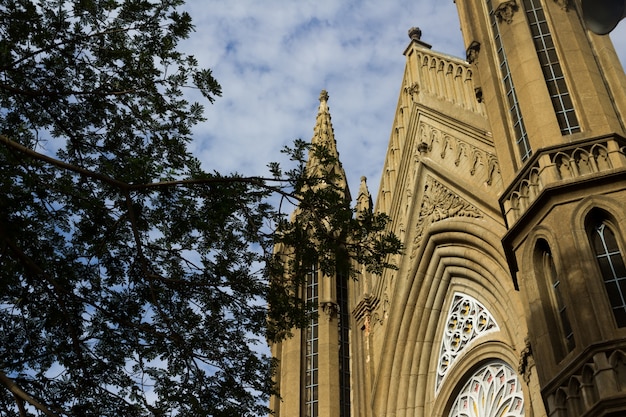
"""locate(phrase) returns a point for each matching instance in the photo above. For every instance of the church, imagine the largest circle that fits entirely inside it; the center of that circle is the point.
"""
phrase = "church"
(505, 178)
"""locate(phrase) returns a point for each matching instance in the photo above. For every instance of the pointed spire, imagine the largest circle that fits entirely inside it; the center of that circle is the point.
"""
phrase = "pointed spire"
(364, 199)
(324, 135)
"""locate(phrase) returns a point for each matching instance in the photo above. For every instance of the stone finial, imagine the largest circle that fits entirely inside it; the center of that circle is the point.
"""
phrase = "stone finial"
(324, 95)
(415, 33)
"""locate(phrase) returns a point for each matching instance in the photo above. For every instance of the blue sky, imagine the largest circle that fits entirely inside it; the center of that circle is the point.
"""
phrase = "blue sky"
(273, 57)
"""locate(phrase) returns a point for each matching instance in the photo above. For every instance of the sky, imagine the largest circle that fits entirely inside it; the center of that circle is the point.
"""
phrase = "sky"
(273, 57)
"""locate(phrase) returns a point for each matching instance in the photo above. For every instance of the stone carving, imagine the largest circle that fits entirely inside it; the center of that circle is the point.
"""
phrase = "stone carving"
(479, 94)
(412, 91)
(330, 309)
(526, 361)
(467, 320)
(565, 164)
(563, 3)
(505, 11)
(472, 52)
(440, 203)
(429, 136)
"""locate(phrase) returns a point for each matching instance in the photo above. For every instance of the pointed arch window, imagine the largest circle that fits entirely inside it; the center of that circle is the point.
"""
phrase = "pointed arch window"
(551, 279)
(492, 391)
(311, 354)
(521, 136)
(551, 68)
(611, 264)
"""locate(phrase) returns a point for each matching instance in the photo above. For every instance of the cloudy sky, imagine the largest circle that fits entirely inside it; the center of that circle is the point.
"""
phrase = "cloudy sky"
(273, 57)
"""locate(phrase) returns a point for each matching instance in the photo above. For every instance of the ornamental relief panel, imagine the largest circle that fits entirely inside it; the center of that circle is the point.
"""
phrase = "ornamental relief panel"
(467, 320)
(481, 165)
(439, 203)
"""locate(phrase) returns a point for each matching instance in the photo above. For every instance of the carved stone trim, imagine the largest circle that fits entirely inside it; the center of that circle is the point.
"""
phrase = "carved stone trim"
(564, 4)
(472, 52)
(412, 91)
(505, 11)
(330, 309)
(464, 153)
(479, 94)
(440, 203)
(526, 361)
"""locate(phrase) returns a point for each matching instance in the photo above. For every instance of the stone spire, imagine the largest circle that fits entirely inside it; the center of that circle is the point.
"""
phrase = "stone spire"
(324, 135)
(364, 198)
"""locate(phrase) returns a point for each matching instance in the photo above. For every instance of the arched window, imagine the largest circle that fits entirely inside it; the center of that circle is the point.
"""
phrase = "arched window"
(611, 264)
(492, 391)
(550, 277)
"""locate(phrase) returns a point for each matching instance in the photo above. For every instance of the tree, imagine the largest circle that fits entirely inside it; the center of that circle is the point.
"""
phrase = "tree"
(132, 281)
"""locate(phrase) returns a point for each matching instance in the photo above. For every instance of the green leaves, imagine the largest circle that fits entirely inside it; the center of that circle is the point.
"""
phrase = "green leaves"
(132, 282)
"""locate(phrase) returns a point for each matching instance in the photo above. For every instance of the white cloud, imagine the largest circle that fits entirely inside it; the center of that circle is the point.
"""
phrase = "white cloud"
(272, 58)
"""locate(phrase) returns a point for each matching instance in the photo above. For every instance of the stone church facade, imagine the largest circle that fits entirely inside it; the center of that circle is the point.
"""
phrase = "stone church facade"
(505, 177)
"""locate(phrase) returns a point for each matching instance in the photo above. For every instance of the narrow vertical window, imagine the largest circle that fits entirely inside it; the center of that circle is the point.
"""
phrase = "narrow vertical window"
(552, 280)
(612, 268)
(551, 68)
(311, 382)
(521, 137)
(344, 344)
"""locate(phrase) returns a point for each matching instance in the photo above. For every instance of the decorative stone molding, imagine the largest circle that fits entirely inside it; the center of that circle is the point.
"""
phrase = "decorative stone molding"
(479, 94)
(472, 52)
(561, 165)
(330, 309)
(526, 361)
(446, 78)
(413, 91)
(599, 379)
(467, 320)
(506, 10)
(440, 203)
(366, 311)
(563, 3)
(465, 154)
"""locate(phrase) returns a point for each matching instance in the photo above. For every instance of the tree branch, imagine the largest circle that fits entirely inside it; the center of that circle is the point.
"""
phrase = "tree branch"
(22, 395)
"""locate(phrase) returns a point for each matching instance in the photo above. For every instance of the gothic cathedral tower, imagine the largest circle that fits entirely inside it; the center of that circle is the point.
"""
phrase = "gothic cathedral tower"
(554, 95)
(505, 179)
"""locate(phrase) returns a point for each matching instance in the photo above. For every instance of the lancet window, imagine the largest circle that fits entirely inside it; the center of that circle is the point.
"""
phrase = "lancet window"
(311, 382)
(521, 136)
(611, 264)
(551, 67)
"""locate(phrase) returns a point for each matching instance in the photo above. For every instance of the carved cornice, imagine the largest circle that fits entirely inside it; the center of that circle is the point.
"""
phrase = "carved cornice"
(440, 203)
(506, 10)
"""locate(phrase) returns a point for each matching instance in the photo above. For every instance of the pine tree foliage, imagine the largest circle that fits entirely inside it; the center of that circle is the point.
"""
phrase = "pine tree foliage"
(132, 281)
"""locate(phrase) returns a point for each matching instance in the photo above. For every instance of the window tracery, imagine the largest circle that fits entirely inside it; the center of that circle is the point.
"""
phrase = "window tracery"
(466, 321)
(493, 391)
